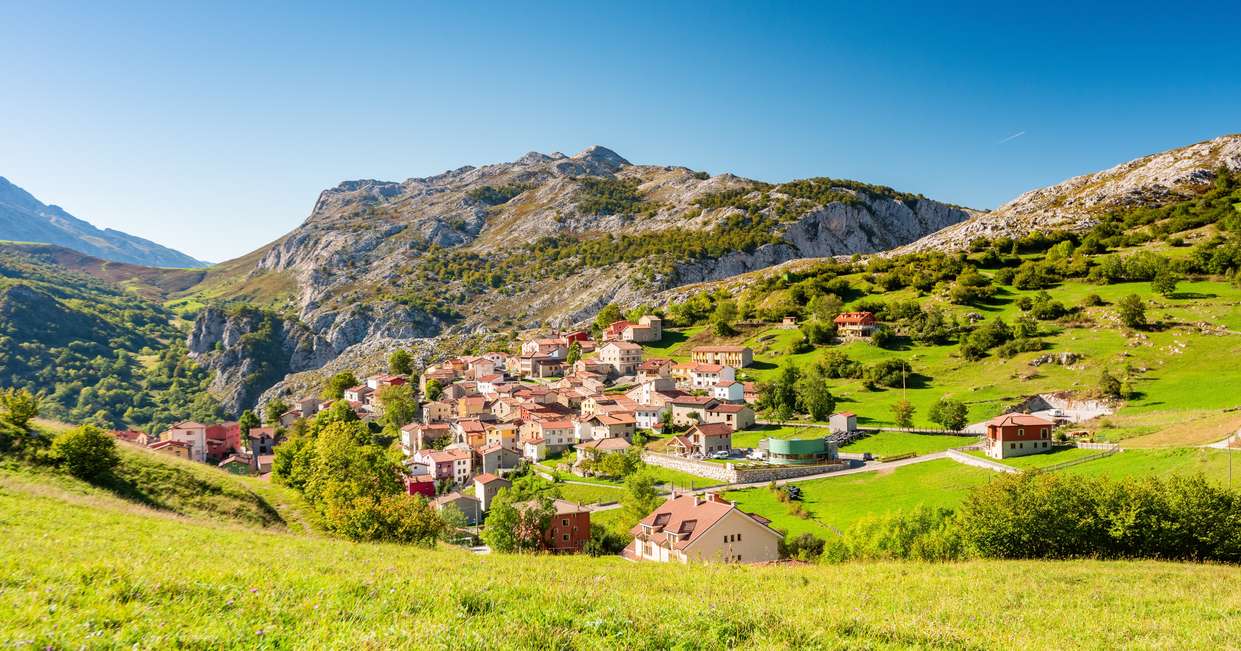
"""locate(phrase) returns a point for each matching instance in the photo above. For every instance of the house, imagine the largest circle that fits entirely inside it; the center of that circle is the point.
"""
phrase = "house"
(788, 323)
(504, 434)
(855, 324)
(688, 410)
(623, 356)
(568, 530)
(193, 434)
(471, 406)
(736, 416)
(843, 422)
(377, 382)
(1015, 435)
(703, 528)
(471, 432)
(534, 449)
(494, 458)
(486, 487)
(262, 440)
(470, 506)
(452, 465)
(237, 465)
(750, 392)
(289, 417)
(421, 484)
(654, 368)
(618, 425)
(556, 434)
(708, 438)
(360, 394)
(734, 356)
(704, 376)
(223, 439)
(416, 437)
(131, 436)
(551, 347)
(648, 417)
(541, 367)
(440, 375)
(436, 411)
(601, 446)
(174, 448)
(728, 391)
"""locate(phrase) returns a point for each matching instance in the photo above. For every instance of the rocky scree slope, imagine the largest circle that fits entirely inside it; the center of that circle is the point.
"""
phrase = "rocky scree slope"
(547, 237)
(1075, 204)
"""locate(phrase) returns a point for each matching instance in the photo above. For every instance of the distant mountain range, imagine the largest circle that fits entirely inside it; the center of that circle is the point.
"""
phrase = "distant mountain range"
(24, 218)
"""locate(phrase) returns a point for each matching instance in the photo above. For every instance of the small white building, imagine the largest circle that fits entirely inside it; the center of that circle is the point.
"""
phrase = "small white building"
(843, 422)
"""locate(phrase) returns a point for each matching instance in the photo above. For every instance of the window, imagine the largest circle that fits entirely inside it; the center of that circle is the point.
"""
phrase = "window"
(1021, 432)
(564, 522)
(738, 537)
(565, 537)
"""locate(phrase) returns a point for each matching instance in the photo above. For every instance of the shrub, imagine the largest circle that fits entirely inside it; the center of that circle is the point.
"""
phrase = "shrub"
(87, 452)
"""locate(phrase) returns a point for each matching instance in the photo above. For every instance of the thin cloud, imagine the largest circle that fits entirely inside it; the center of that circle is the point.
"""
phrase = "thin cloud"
(1012, 137)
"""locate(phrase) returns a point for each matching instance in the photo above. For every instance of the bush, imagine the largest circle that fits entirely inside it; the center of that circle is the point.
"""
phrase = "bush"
(87, 452)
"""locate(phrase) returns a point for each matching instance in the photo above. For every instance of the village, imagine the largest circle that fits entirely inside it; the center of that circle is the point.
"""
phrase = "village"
(566, 403)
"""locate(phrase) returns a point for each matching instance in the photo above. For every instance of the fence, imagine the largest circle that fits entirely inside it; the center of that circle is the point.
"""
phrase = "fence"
(1108, 450)
(919, 430)
(971, 460)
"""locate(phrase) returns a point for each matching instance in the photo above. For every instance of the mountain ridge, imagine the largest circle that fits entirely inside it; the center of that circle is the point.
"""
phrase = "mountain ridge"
(23, 218)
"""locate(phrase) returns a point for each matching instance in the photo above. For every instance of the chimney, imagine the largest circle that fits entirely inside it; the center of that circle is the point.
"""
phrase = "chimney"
(698, 500)
(715, 497)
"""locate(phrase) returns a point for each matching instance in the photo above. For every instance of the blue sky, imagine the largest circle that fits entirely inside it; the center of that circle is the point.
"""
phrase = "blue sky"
(213, 128)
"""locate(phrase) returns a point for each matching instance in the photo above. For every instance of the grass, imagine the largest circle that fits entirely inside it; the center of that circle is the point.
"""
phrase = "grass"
(1186, 369)
(106, 574)
(1212, 463)
(888, 444)
(835, 503)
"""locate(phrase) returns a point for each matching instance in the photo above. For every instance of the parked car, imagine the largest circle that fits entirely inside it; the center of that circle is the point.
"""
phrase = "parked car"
(720, 455)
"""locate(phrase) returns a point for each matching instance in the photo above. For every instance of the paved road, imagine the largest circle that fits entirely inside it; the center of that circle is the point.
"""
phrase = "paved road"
(1235, 439)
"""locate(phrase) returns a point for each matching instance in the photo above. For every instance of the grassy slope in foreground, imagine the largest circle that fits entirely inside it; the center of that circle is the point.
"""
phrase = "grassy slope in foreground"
(107, 574)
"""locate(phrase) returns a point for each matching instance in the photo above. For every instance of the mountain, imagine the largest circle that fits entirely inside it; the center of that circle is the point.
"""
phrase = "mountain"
(25, 219)
(547, 237)
(1076, 204)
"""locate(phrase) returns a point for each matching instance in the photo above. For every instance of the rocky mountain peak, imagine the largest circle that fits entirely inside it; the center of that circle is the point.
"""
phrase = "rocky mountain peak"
(601, 155)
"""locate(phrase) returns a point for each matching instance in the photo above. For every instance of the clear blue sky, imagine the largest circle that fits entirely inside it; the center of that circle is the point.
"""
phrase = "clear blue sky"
(213, 128)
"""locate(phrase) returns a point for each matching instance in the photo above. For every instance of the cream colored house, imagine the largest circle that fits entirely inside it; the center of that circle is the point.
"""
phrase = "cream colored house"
(704, 529)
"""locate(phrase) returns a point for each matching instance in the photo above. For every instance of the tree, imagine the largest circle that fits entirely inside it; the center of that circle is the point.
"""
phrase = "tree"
(1109, 385)
(903, 413)
(1132, 311)
(825, 307)
(948, 413)
(608, 315)
(723, 317)
(336, 385)
(513, 527)
(247, 422)
(273, 410)
(641, 496)
(1165, 282)
(399, 406)
(401, 362)
(86, 451)
(434, 390)
(780, 396)
(18, 406)
(574, 354)
(813, 394)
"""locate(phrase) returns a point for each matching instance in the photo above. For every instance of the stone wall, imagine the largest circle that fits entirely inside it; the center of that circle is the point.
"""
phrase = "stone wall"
(729, 474)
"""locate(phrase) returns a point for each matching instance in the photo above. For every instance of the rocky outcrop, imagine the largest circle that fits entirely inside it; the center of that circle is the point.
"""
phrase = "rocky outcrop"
(359, 250)
(1075, 204)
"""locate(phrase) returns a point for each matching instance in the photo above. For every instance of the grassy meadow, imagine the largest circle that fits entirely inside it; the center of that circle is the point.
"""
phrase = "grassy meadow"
(1178, 366)
(83, 569)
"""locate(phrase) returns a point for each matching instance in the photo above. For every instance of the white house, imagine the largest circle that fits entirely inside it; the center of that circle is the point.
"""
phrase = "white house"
(728, 391)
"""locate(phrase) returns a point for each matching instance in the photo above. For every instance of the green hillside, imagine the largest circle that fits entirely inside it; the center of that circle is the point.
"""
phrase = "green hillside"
(84, 569)
(97, 353)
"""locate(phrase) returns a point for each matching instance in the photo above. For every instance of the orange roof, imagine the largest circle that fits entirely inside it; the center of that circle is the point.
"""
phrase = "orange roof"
(1021, 420)
(688, 516)
(718, 349)
(854, 318)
